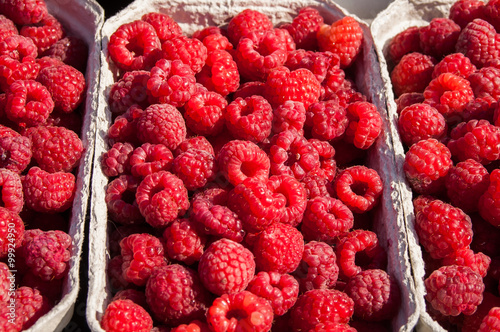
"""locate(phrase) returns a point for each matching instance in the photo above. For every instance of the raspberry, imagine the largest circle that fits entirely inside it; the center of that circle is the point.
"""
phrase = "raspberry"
(129, 91)
(463, 12)
(405, 42)
(249, 119)
(304, 28)
(136, 296)
(419, 122)
(489, 202)
(289, 115)
(298, 85)
(48, 192)
(125, 315)
(241, 310)
(318, 268)
(359, 188)
(6, 131)
(327, 119)
(5, 281)
(315, 185)
(465, 183)
(480, 108)
(413, 73)
(150, 158)
(48, 253)
(161, 198)
(11, 191)
(226, 267)
(134, 46)
(472, 322)
(47, 61)
(321, 306)
(12, 236)
(442, 228)
(124, 128)
(195, 168)
(44, 33)
(455, 63)
(344, 37)
(216, 42)
(478, 262)
(246, 22)
(28, 103)
(24, 11)
(120, 200)
(12, 70)
(295, 195)
(491, 322)
(207, 31)
(161, 124)
(55, 149)
(491, 13)
(191, 51)
(375, 293)
(220, 73)
(204, 113)
(365, 124)
(321, 64)
(15, 153)
(18, 47)
(239, 160)
(165, 26)
(249, 89)
(193, 326)
(475, 139)
(329, 326)
(486, 82)
(30, 305)
(116, 161)
(115, 274)
(119, 232)
(478, 42)
(454, 289)
(7, 27)
(325, 218)
(426, 164)
(438, 38)
(71, 50)
(195, 142)
(183, 241)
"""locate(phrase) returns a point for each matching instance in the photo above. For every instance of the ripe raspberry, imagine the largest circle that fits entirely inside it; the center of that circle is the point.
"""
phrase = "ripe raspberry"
(115, 274)
(472, 322)
(249, 119)
(71, 50)
(315, 185)
(193, 326)
(12, 237)
(343, 37)
(47, 61)
(15, 153)
(216, 42)
(241, 310)
(125, 315)
(191, 51)
(12, 70)
(304, 28)
(426, 164)
(5, 281)
(129, 91)
(204, 113)
(405, 42)
(161, 198)
(478, 262)
(489, 202)
(48, 192)
(239, 160)
(249, 89)
(220, 73)
(455, 63)
(226, 267)
(298, 85)
(161, 124)
(478, 42)
(289, 115)
(442, 228)
(116, 161)
(55, 149)
(195, 142)
(408, 99)
(454, 289)
(491, 322)
(11, 191)
(485, 82)
(165, 26)
(419, 122)
(413, 73)
(28, 103)
(207, 31)
(183, 241)
(438, 38)
(195, 168)
(330, 326)
(375, 293)
(480, 109)
(327, 119)
(321, 306)
(463, 12)
(245, 22)
(150, 158)
(30, 305)
(295, 195)
(7, 27)
(465, 183)
(321, 64)
(120, 200)
(365, 124)
(44, 33)
(318, 268)
(491, 13)
(134, 295)
(18, 47)
(24, 11)
(134, 46)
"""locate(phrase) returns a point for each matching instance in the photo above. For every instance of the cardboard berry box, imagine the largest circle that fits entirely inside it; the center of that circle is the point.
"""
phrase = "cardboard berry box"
(389, 217)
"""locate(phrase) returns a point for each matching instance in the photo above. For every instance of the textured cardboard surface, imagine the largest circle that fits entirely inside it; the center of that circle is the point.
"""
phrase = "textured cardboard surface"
(193, 15)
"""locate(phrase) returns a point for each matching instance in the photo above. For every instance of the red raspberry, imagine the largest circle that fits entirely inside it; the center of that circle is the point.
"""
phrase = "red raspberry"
(419, 122)
(165, 26)
(249, 119)
(55, 149)
(491, 13)
(255, 313)
(478, 262)
(195, 142)
(478, 42)
(191, 51)
(5, 282)
(486, 82)
(249, 89)
(475, 139)
(150, 158)
(438, 38)
(376, 295)
(71, 50)
(44, 33)
(318, 268)
(15, 153)
(28, 103)
(161, 198)
(413, 73)
(491, 322)
(321, 64)
(12, 70)
(332, 327)
(48, 253)
(24, 11)
(454, 289)
(115, 274)
(480, 109)
(455, 63)
(207, 31)
(195, 168)
(465, 183)
(136, 296)
(442, 228)
(12, 236)
(7, 27)
(220, 73)
(204, 113)
(226, 267)
(304, 28)
(298, 85)
(239, 160)
(405, 42)
(295, 195)
(47, 61)
(125, 315)
(321, 306)
(129, 91)
(315, 185)
(216, 42)
(245, 22)
(463, 12)
(18, 47)
(193, 326)
(408, 99)
(161, 124)
(365, 124)
(289, 115)
(327, 119)
(48, 192)
(343, 37)
(426, 164)
(116, 161)
(472, 322)
(120, 200)
(141, 254)
(183, 241)
(489, 202)
(30, 305)
(11, 191)
(134, 46)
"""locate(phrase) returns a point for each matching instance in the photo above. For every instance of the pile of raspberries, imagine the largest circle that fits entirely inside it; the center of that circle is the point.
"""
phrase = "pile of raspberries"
(42, 88)
(446, 77)
(238, 196)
